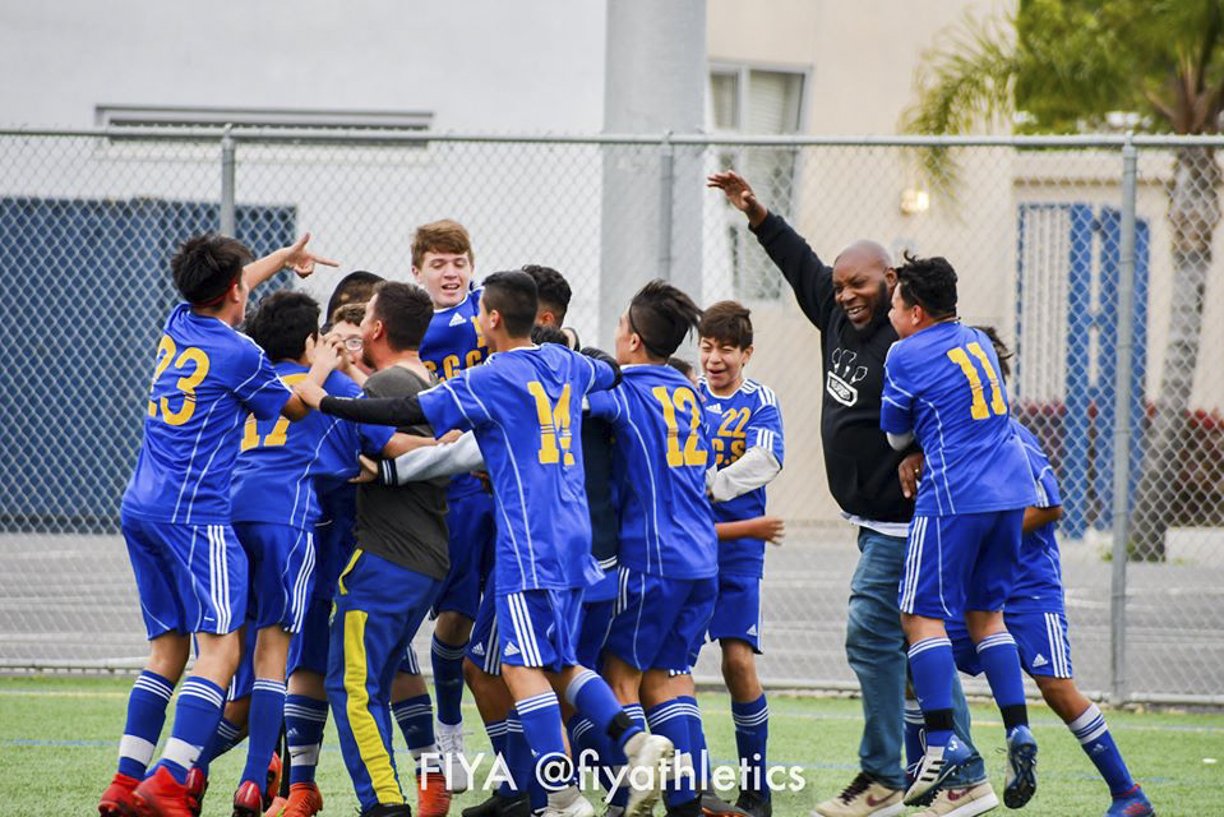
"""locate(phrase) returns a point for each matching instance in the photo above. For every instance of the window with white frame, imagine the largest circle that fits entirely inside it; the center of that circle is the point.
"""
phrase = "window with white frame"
(746, 99)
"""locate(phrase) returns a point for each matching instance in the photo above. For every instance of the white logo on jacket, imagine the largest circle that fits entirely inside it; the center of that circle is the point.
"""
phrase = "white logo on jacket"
(839, 382)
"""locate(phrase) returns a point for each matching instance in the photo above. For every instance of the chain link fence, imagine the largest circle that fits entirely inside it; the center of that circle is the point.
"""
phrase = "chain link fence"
(1041, 231)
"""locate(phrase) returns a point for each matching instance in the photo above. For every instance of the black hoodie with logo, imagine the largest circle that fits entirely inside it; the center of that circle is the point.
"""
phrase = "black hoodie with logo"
(860, 465)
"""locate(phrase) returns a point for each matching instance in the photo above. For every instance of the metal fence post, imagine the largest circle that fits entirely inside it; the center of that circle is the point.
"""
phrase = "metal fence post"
(667, 183)
(227, 225)
(1122, 431)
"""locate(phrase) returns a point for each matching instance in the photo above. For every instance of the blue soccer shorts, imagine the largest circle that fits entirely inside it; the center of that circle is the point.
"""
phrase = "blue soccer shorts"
(379, 606)
(282, 561)
(958, 563)
(472, 532)
(1041, 639)
(190, 578)
(537, 628)
(737, 611)
(658, 621)
(309, 647)
(333, 549)
(484, 647)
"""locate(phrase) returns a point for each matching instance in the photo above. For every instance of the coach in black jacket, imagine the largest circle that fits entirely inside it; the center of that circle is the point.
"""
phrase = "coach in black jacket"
(849, 304)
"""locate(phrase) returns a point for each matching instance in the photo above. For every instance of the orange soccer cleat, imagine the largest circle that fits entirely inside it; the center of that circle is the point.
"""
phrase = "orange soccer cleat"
(197, 785)
(433, 798)
(304, 801)
(248, 800)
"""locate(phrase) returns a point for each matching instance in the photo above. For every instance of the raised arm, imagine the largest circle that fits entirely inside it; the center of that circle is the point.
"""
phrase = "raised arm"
(808, 276)
(296, 257)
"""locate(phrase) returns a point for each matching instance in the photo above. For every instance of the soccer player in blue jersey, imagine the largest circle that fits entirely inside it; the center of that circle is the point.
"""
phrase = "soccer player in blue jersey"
(668, 545)
(275, 508)
(443, 263)
(942, 388)
(746, 426)
(1036, 617)
(524, 406)
(190, 570)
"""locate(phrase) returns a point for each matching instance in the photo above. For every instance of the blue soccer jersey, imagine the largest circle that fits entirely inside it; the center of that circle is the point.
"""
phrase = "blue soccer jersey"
(942, 384)
(1038, 586)
(662, 454)
(208, 378)
(279, 461)
(525, 407)
(453, 342)
(749, 418)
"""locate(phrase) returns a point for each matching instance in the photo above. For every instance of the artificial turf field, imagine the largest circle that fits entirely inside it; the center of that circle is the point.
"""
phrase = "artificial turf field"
(58, 738)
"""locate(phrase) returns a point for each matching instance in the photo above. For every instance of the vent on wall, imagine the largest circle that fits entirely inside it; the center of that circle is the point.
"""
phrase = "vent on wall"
(147, 116)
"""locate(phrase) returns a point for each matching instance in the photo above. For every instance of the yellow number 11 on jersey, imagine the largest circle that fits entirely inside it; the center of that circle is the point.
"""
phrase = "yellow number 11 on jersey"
(978, 410)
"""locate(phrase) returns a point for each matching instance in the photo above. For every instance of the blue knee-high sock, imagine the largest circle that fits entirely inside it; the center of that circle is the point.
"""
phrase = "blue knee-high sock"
(264, 726)
(1001, 662)
(415, 719)
(447, 663)
(594, 700)
(146, 715)
(541, 719)
(1093, 734)
(305, 718)
(915, 741)
(671, 719)
(751, 738)
(522, 764)
(697, 740)
(931, 670)
(195, 721)
(227, 736)
(496, 730)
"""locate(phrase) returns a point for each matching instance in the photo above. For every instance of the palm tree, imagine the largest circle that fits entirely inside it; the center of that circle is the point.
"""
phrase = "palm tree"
(1066, 65)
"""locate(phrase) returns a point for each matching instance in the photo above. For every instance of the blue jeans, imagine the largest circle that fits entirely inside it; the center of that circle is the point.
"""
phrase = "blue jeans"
(875, 647)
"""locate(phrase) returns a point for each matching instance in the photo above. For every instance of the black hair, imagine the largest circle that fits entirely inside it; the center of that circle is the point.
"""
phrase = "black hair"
(405, 311)
(283, 322)
(541, 334)
(929, 283)
(681, 365)
(551, 288)
(514, 296)
(355, 288)
(206, 266)
(662, 316)
(727, 322)
(1001, 351)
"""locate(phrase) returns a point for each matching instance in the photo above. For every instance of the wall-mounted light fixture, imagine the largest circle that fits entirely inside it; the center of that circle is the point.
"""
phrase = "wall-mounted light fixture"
(914, 201)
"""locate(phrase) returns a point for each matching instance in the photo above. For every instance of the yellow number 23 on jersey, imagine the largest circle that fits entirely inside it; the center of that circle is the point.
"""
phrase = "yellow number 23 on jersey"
(166, 355)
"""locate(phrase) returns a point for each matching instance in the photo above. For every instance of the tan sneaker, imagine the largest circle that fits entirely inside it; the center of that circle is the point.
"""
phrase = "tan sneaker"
(864, 797)
(964, 802)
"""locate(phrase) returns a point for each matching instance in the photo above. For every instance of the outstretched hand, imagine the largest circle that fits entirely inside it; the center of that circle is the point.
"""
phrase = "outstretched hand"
(302, 261)
(740, 194)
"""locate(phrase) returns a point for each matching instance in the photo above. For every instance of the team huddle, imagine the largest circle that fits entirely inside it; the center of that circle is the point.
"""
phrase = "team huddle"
(577, 525)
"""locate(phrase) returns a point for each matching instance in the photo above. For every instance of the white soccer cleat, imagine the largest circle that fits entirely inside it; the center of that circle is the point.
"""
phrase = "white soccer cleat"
(568, 802)
(450, 747)
(936, 765)
(649, 757)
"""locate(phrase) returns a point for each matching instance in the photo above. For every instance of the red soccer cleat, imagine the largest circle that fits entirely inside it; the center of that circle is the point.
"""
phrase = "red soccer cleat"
(161, 796)
(117, 799)
(274, 776)
(197, 785)
(304, 801)
(248, 800)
